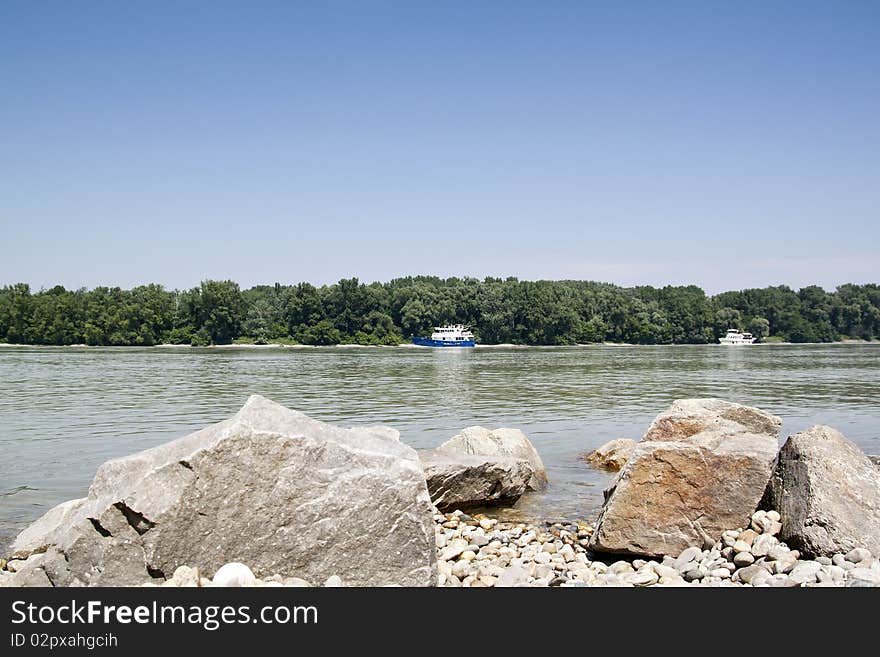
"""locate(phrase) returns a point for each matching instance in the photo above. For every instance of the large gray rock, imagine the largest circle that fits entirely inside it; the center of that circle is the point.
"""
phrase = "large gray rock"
(269, 487)
(828, 494)
(701, 468)
(462, 481)
(499, 443)
(613, 455)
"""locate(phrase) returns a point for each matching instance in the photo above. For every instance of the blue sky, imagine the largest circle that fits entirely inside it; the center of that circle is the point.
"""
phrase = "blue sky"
(727, 144)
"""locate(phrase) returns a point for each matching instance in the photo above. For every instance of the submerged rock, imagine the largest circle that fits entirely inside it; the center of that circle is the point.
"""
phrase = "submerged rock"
(511, 443)
(702, 467)
(613, 455)
(269, 487)
(827, 492)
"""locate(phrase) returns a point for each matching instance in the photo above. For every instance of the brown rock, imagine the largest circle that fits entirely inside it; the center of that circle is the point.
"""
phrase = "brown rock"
(613, 455)
(700, 469)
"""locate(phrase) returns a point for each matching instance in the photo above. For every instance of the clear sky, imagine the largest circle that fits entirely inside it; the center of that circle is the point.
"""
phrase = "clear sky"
(727, 144)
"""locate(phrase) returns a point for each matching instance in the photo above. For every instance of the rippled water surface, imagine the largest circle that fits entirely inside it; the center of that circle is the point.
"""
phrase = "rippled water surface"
(65, 410)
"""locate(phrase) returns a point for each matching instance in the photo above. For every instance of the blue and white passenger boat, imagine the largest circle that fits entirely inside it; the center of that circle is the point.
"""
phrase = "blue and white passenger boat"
(448, 336)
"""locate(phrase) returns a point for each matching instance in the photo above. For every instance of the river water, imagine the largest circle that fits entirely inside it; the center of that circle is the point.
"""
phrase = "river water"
(65, 410)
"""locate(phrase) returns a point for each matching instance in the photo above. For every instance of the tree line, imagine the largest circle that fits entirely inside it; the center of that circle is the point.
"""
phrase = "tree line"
(497, 310)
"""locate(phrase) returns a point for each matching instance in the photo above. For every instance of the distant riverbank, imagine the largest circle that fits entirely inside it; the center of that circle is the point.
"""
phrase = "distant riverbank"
(497, 311)
(409, 345)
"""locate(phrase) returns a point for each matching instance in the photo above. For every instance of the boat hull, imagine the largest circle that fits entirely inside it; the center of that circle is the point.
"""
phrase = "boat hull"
(428, 342)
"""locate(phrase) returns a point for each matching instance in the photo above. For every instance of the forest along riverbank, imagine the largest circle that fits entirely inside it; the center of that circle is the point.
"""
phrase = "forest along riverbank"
(718, 504)
(498, 311)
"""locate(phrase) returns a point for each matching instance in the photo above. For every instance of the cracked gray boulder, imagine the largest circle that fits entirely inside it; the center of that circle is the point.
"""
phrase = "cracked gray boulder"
(701, 468)
(270, 487)
(828, 494)
(463, 481)
(498, 443)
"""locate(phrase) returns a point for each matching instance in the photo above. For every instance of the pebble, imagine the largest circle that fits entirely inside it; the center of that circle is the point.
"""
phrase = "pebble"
(297, 582)
(461, 569)
(763, 544)
(752, 574)
(185, 576)
(644, 577)
(858, 554)
(805, 572)
(743, 559)
(686, 557)
(542, 558)
(620, 567)
(484, 552)
(234, 574)
(869, 575)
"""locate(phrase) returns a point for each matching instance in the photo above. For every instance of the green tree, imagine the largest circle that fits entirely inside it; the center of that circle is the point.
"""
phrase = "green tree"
(220, 310)
(759, 327)
(323, 333)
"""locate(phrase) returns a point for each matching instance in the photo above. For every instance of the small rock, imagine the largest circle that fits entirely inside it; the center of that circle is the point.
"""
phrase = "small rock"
(334, 581)
(744, 559)
(461, 569)
(620, 567)
(868, 575)
(186, 576)
(234, 574)
(687, 556)
(297, 582)
(805, 572)
(644, 577)
(858, 554)
(753, 574)
(778, 552)
(763, 544)
(514, 575)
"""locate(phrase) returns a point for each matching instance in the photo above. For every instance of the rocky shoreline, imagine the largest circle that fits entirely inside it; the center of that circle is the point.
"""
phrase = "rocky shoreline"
(478, 551)
(272, 497)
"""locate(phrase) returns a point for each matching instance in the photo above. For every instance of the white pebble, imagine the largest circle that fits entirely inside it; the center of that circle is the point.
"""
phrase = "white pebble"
(234, 574)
